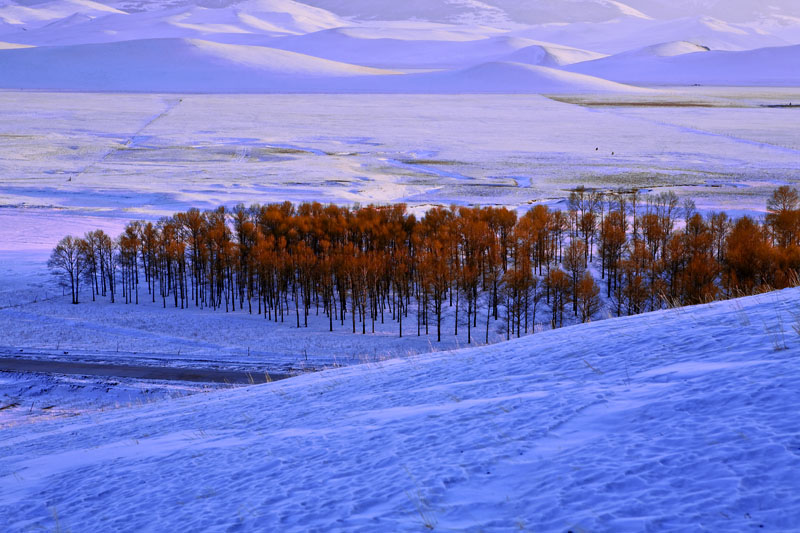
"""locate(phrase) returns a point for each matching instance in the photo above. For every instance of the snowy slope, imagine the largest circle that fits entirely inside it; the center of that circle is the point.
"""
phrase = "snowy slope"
(458, 37)
(11, 46)
(518, 11)
(521, 11)
(561, 11)
(352, 46)
(680, 420)
(676, 48)
(253, 17)
(618, 36)
(175, 65)
(550, 55)
(509, 77)
(733, 10)
(169, 65)
(762, 67)
(30, 15)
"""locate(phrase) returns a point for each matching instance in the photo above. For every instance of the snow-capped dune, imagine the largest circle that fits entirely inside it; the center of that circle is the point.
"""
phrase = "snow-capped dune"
(734, 10)
(13, 46)
(169, 65)
(180, 23)
(290, 15)
(39, 14)
(675, 48)
(281, 45)
(561, 11)
(190, 65)
(247, 22)
(502, 77)
(707, 31)
(632, 62)
(76, 19)
(352, 46)
(769, 67)
(516, 11)
(622, 35)
(551, 55)
(270, 16)
(785, 27)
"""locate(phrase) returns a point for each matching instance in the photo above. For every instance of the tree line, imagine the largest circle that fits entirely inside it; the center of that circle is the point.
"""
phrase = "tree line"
(624, 251)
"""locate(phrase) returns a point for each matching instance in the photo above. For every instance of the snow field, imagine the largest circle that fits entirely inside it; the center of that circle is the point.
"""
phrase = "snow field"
(152, 155)
(673, 421)
(34, 398)
(149, 334)
(669, 421)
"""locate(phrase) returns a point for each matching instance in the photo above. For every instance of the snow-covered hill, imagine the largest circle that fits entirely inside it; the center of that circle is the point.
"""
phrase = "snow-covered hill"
(451, 36)
(733, 10)
(171, 65)
(263, 18)
(517, 11)
(404, 51)
(512, 78)
(680, 420)
(549, 55)
(618, 36)
(545, 11)
(35, 14)
(763, 67)
(12, 46)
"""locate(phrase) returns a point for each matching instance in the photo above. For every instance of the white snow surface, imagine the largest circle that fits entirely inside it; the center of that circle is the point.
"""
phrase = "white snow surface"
(172, 65)
(675, 48)
(11, 46)
(225, 46)
(74, 162)
(680, 420)
(763, 67)
(549, 55)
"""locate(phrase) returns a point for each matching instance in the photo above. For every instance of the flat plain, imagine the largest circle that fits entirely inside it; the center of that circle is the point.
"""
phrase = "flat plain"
(75, 161)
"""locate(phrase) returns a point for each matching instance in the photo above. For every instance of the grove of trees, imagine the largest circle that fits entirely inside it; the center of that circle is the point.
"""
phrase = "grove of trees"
(621, 251)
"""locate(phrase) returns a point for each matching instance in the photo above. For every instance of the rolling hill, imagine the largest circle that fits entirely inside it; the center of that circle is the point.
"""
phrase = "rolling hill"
(170, 65)
(356, 46)
(674, 420)
(763, 67)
